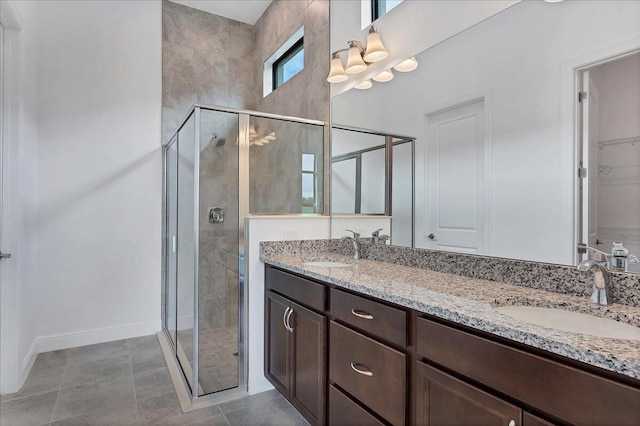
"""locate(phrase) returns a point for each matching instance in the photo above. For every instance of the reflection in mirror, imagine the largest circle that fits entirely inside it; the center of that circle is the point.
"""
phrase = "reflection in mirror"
(500, 131)
(357, 172)
(372, 174)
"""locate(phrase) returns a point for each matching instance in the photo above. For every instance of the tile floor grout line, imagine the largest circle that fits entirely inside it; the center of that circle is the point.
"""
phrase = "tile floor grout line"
(133, 381)
(64, 373)
(225, 417)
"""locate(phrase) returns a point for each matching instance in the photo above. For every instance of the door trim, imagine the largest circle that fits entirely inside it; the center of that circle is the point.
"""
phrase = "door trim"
(570, 123)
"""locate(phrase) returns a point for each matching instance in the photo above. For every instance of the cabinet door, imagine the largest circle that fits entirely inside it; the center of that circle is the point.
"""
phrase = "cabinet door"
(277, 341)
(442, 399)
(308, 362)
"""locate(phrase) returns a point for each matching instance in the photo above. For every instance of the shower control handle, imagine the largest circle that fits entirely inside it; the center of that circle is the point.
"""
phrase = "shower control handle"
(216, 215)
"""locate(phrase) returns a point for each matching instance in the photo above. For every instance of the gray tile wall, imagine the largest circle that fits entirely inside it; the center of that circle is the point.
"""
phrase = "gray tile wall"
(307, 93)
(206, 59)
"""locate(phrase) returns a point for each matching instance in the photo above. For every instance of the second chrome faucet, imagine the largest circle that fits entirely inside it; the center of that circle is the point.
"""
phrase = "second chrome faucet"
(356, 242)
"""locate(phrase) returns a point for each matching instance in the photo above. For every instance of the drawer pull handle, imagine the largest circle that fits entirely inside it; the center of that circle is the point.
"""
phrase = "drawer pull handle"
(512, 423)
(289, 319)
(361, 314)
(358, 370)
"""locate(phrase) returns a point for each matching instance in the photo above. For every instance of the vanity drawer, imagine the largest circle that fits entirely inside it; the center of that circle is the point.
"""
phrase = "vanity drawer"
(301, 290)
(343, 411)
(374, 317)
(565, 392)
(371, 372)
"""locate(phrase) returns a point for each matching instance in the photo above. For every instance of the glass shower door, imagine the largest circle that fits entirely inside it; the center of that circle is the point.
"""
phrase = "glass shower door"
(185, 309)
(218, 250)
(171, 238)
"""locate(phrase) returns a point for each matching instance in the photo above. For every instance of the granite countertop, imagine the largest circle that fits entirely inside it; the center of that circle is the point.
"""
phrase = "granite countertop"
(470, 301)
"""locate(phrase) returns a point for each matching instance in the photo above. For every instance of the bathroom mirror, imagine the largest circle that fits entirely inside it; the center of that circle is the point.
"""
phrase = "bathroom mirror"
(501, 135)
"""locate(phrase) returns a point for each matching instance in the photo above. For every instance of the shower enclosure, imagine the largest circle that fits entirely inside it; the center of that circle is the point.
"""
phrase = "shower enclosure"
(219, 167)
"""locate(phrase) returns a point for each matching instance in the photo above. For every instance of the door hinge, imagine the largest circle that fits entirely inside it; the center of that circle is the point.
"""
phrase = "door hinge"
(582, 172)
(583, 97)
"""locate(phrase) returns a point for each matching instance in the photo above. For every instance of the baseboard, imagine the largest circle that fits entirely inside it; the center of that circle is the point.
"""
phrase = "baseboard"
(28, 360)
(258, 384)
(97, 335)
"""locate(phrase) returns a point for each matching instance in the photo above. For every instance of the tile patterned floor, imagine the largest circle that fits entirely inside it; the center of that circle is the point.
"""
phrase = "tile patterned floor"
(122, 383)
(218, 368)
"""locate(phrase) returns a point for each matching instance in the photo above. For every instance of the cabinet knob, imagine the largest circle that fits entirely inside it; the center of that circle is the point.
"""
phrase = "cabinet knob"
(364, 371)
(512, 423)
(361, 314)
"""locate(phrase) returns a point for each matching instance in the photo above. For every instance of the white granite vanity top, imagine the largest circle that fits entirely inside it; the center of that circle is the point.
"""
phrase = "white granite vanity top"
(470, 301)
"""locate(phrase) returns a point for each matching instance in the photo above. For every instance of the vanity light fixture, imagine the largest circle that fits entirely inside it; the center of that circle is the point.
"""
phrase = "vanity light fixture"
(336, 74)
(359, 57)
(355, 63)
(375, 50)
(364, 85)
(384, 76)
(407, 65)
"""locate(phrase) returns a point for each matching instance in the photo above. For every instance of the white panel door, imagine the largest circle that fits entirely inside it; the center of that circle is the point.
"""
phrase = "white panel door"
(456, 180)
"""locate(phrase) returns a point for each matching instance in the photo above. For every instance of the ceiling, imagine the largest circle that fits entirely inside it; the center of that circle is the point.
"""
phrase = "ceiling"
(247, 11)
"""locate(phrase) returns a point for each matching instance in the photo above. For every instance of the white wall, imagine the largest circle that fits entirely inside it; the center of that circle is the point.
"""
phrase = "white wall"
(407, 29)
(269, 228)
(100, 170)
(18, 287)
(514, 60)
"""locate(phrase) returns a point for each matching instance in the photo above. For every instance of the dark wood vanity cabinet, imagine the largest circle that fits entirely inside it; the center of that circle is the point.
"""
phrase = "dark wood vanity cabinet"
(346, 359)
(295, 349)
(527, 378)
(442, 399)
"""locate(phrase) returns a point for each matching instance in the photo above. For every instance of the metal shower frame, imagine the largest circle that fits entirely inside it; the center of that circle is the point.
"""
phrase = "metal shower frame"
(244, 116)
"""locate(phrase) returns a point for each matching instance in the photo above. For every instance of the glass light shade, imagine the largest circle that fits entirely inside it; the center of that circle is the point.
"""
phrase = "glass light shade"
(364, 85)
(336, 74)
(384, 76)
(407, 65)
(355, 64)
(375, 50)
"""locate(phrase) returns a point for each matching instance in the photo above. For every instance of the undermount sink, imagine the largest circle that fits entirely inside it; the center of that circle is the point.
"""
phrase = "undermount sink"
(327, 264)
(574, 322)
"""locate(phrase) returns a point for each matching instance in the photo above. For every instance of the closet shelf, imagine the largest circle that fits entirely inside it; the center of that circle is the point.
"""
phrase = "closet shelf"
(632, 140)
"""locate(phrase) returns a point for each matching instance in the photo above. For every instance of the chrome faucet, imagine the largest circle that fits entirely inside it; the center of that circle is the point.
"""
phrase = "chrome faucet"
(356, 242)
(601, 289)
(379, 239)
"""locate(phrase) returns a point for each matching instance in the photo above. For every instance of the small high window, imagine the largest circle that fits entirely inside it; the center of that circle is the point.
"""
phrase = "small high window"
(380, 7)
(289, 64)
(284, 63)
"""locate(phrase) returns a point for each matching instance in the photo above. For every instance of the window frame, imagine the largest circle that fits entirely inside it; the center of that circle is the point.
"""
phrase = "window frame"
(278, 64)
(313, 173)
(376, 9)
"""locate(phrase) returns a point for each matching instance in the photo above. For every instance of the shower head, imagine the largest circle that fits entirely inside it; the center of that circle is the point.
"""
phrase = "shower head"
(216, 140)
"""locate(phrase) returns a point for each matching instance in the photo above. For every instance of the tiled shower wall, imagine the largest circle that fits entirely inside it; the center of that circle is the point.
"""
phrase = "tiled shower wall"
(212, 60)
(307, 93)
(206, 59)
